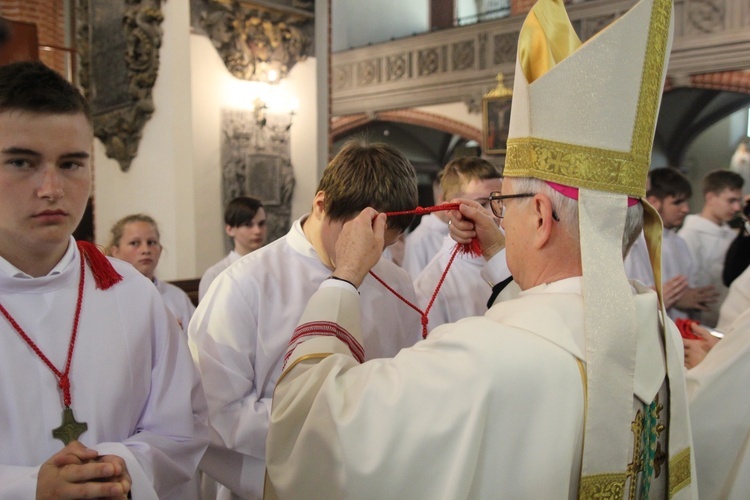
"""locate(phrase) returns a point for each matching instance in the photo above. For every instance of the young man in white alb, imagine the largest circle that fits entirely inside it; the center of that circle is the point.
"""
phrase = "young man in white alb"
(669, 192)
(464, 291)
(245, 223)
(100, 396)
(708, 236)
(239, 335)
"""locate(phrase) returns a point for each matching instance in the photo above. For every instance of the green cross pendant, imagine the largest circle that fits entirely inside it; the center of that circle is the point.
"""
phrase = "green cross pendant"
(70, 429)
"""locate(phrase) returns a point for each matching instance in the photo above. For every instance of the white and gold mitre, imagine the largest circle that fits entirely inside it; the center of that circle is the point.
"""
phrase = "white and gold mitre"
(584, 115)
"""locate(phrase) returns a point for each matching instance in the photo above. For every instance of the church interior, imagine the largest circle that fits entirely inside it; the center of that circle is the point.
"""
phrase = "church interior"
(196, 102)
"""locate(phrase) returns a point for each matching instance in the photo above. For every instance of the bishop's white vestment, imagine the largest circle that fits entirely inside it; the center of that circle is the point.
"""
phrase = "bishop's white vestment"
(708, 244)
(132, 379)
(736, 303)
(488, 407)
(239, 335)
(720, 415)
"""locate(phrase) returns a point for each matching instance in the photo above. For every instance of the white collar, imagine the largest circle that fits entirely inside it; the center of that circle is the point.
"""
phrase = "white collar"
(12, 271)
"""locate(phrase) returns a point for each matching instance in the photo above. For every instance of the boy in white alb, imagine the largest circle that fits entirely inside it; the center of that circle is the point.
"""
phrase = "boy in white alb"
(238, 334)
(245, 223)
(83, 337)
(463, 292)
(708, 236)
(669, 192)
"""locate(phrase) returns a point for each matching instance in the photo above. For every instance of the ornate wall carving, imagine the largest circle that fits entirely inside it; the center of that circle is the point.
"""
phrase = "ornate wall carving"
(260, 41)
(119, 70)
(255, 161)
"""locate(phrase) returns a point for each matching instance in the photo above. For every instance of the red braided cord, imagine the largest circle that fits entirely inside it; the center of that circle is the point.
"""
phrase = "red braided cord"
(64, 383)
(442, 279)
(472, 248)
(423, 314)
(426, 210)
(394, 292)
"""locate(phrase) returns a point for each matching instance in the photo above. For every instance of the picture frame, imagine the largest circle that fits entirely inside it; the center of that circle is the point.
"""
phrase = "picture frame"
(496, 118)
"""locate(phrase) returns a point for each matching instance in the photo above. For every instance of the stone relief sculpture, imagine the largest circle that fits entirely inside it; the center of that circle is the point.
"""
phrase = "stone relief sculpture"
(260, 41)
(119, 70)
(255, 161)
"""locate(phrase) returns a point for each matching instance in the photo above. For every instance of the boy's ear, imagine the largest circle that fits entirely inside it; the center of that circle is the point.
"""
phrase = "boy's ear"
(230, 230)
(318, 206)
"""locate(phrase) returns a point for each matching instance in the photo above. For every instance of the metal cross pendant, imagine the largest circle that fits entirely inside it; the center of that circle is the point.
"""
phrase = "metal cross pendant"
(70, 429)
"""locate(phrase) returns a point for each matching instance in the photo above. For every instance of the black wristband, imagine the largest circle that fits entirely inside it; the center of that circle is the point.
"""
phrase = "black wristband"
(332, 277)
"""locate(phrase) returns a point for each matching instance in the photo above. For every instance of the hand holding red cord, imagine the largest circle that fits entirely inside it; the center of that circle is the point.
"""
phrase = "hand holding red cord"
(472, 224)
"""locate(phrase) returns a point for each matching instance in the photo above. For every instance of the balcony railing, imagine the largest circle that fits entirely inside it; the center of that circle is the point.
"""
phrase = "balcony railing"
(460, 64)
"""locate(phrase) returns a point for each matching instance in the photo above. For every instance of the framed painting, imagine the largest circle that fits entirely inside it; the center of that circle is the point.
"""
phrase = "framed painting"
(496, 119)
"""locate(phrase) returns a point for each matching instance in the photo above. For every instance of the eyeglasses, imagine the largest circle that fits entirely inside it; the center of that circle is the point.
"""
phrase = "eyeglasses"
(498, 206)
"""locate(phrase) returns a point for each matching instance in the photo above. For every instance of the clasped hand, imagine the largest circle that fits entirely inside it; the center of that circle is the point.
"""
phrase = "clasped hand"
(79, 472)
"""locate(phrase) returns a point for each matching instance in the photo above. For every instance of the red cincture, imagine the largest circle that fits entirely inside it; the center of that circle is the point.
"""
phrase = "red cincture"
(472, 248)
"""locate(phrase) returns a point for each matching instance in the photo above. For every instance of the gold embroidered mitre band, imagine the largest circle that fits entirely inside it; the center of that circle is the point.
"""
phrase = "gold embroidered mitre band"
(584, 116)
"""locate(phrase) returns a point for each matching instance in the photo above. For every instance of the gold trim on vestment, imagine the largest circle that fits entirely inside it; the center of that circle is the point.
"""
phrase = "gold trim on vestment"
(321, 355)
(679, 472)
(579, 166)
(602, 487)
(651, 80)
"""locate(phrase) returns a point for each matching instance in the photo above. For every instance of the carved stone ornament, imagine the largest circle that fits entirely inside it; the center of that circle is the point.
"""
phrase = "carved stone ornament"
(255, 161)
(118, 43)
(258, 41)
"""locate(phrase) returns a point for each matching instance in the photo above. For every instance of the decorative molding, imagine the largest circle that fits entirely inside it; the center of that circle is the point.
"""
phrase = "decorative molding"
(259, 40)
(453, 65)
(118, 72)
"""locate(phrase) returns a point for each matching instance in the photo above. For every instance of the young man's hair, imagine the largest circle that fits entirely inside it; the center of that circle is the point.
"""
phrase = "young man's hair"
(118, 229)
(460, 171)
(365, 175)
(718, 180)
(31, 86)
(241, 210)
(668, 181)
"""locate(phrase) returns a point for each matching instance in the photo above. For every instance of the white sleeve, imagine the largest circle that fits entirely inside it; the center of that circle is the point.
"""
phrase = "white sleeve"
(223, 338)
(171, 434)
(496, 269)
(18, 482)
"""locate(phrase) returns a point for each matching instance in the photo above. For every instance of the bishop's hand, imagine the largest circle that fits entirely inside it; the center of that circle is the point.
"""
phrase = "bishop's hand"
(471, 221)
(78, 472)
(359, 246)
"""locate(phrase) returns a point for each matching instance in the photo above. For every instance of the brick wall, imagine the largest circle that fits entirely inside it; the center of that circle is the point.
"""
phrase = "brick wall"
(518, 7)
(49, 17)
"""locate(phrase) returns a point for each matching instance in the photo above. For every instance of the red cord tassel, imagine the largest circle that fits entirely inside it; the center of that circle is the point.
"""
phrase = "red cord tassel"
(104, 272)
